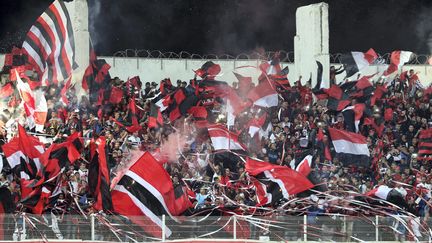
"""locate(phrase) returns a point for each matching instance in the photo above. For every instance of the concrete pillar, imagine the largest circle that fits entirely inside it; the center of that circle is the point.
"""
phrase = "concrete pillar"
(78, 11)
(311, 42)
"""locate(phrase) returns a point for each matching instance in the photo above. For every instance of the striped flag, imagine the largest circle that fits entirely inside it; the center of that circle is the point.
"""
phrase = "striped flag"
(276, 182)
(50, 45)
(425, 145)
(351, 148)
(223, 139)
(264, 95)
(145, 192)
(397, 60)
(355, 61)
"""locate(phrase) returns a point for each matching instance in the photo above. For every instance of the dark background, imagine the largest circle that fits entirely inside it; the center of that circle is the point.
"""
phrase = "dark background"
(232, 26)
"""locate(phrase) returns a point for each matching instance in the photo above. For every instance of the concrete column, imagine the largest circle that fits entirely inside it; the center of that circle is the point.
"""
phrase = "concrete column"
(78, 11)
(311, 42)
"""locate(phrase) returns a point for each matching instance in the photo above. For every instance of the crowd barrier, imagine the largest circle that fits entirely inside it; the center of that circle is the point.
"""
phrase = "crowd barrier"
(97, 227)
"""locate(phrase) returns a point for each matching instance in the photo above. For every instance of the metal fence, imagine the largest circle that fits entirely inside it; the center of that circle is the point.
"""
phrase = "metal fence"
(275, 228)
(285, 56)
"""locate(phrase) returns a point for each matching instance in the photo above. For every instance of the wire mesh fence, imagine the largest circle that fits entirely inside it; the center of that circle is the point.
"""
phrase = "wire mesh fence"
(284, 56)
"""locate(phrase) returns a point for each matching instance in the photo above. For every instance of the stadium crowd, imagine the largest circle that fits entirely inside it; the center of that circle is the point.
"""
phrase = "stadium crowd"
(295, 127)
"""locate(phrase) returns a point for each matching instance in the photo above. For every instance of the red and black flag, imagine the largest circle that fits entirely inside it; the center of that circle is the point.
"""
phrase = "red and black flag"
(145, 192)
(24, 150)
(355, 61)
(96, 79)
(133, 84)
(425, 145)
(208, 71)
(14, 60)
(181, 104)
(155, 119)
(50, 44)
(98, 177)
(130, 122)
(280, 181)
(62, 155)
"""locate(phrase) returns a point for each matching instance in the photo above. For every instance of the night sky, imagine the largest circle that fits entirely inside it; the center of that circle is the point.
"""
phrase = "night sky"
(233, 26)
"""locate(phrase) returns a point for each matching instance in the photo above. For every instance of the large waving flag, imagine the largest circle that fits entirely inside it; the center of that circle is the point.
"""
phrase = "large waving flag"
(146, 190)
(276, 182)
(264, 95)
(355, 61)
(351, 148)
(397, 60)
(50, 44)
(223, 139)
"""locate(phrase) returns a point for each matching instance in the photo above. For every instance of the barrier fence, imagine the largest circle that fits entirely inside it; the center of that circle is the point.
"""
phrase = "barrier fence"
(99, 227)
(284, 56)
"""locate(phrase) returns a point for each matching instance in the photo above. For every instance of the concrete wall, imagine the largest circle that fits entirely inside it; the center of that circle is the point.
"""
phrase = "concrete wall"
(153, 69)
(156, 69)
(311, 42)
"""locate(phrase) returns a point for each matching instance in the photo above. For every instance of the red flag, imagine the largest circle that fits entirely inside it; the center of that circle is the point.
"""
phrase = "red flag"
(245, 83)
(116, 95)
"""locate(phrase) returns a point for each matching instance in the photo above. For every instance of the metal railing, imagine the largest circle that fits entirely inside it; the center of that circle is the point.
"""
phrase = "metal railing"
(96, 227)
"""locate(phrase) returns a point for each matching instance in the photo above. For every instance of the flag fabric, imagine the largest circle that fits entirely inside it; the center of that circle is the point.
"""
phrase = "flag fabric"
(155, 119)
(116, 95)
(98, 175)
(26, 95)
(352, 115)
(351, 148)
(256, 124)
(244, 83)
(40, 111)
(304, 166)
(397, 60)
(164, 102)
(24, 148)
(63, 93)
(50, 45)
(425, 145)
(264, 95)
(13, 59)
(130, 123)
(144, 193)
(355, 61)
(388, 194)
(280, 181)
(209, 70)
(6, 90)
(270, 68)
(223, 139)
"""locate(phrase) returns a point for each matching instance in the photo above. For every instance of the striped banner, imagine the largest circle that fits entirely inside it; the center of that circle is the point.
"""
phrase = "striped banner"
(50, 45)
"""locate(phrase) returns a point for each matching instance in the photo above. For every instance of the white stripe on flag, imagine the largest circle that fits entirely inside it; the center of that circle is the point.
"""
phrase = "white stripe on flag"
(146, 211)
(68, 47)
(344, 146)
(150, 188)
(42, 40)
(253, 130)
(267, 101)
(225, 143)
(32, 53)
(359, 59)
(57, 49)
(279, 182)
